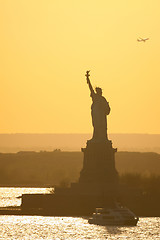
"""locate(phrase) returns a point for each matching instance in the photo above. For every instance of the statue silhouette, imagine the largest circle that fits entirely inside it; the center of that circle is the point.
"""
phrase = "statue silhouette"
(99, 110)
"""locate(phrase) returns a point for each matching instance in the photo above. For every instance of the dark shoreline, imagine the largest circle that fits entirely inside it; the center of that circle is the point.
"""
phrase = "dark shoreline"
(47, 169)
(26, 186)
(17, 211)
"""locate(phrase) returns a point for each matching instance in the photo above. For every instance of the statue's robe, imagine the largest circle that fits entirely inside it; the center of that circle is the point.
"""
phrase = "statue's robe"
(99, 109)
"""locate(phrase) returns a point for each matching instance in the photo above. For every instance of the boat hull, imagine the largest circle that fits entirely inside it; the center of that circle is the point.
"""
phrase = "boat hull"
(114, 223)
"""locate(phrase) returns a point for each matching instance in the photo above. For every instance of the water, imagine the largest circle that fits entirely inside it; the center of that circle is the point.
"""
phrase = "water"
(35, 227)
(38, 227)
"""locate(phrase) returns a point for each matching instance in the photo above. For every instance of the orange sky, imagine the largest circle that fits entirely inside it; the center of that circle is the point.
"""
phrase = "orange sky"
(46, 47)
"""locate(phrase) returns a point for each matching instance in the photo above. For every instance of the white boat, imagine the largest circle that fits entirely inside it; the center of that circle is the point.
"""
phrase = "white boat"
(118, 216)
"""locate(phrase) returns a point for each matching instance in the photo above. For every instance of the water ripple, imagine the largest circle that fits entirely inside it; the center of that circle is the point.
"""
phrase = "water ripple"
(35, 227)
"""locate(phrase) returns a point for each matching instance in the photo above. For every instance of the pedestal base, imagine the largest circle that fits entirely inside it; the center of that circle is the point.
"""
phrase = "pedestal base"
(99, 164)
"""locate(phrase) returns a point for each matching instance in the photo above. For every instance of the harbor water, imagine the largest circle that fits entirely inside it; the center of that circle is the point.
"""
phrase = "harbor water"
(38, 227)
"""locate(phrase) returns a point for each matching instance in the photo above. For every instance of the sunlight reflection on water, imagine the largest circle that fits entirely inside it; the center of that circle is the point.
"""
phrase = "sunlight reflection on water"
(8, 196)
(35, 227)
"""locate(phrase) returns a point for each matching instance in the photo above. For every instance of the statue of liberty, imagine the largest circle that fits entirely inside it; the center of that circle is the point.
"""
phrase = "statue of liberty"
(99, 111)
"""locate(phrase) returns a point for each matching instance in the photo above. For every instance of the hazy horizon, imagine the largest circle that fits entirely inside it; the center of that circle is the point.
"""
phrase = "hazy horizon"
(74, 142)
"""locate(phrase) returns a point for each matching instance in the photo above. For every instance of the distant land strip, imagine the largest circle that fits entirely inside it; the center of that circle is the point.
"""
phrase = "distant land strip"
(74, 142)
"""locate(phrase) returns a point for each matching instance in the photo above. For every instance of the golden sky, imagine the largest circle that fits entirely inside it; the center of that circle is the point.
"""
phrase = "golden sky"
(47, 45)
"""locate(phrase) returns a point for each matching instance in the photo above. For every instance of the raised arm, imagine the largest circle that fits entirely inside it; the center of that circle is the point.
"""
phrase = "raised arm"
(89, 82)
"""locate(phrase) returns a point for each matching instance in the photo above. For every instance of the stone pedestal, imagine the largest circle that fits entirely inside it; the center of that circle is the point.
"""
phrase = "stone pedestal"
(98, 176)
(99, 164)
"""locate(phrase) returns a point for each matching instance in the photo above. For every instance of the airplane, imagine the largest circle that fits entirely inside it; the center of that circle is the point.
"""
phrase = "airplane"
(142, 39)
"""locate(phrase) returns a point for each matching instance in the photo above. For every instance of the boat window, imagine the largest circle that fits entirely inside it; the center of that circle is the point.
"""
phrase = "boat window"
(121, 211)
(106, 212)
(108, 217)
